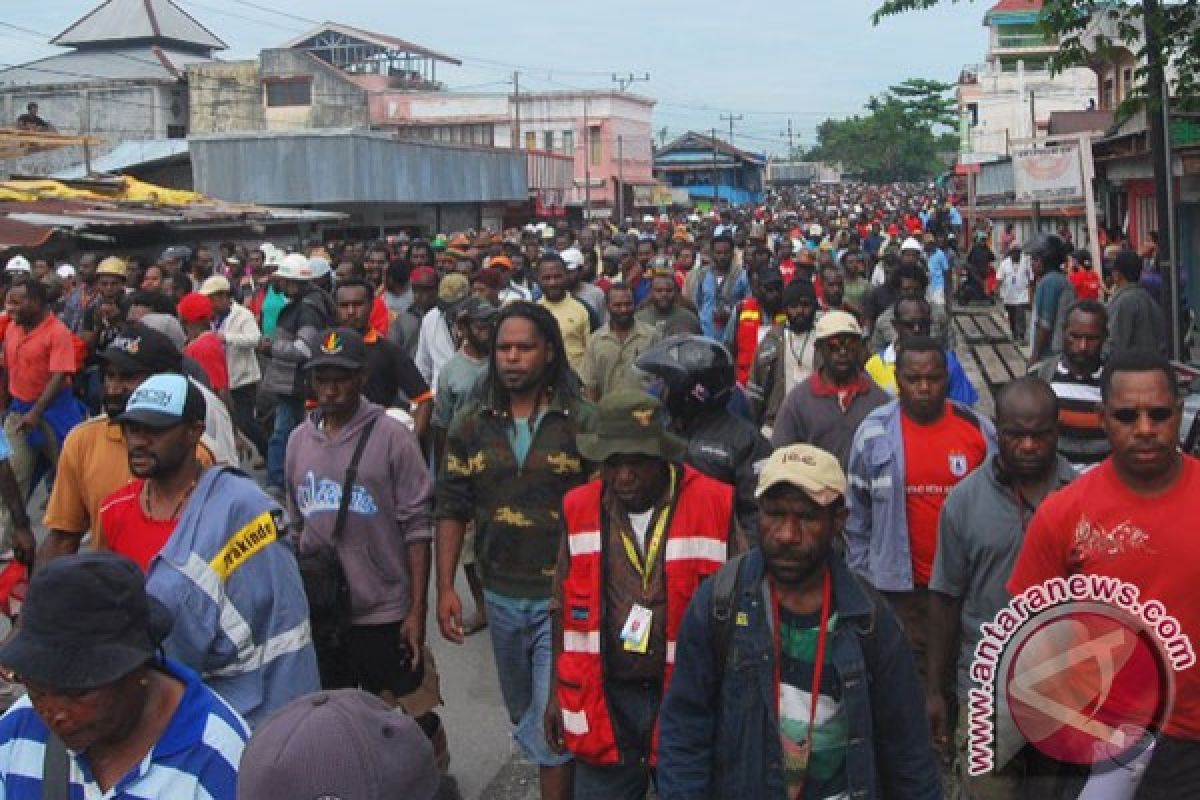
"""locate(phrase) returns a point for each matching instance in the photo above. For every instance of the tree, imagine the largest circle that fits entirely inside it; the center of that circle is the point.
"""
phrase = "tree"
(930, 101)
(1175, 24)
(893, 142)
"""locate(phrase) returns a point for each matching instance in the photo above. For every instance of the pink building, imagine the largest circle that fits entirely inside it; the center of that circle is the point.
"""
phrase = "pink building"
(606, 133)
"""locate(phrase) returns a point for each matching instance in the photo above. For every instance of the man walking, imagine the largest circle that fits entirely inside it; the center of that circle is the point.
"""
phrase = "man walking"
(792, 677)
(638, 543)
(613, 349)
(980, 532)
(1135, 319)
(905, 459)
(238, 331)
(572, 315)
(382, 544)
(1052, 297)
(786, 356)
(718, 288)
(510, 457)
(826, 409)
(664, 311)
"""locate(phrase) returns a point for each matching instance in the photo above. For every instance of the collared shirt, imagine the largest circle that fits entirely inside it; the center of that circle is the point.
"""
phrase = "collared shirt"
(93, 464)
(575, 324)
(608, 362)
(31, 357)
(195, 757)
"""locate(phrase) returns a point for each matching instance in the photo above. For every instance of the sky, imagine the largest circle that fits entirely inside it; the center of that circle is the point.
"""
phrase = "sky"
(767, 60)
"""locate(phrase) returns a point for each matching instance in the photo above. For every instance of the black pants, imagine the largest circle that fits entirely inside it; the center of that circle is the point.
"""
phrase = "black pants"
(374, 658)
(1173, 772)
(244, 417)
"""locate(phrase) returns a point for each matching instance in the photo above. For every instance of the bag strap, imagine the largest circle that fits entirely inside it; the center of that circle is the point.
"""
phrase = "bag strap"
(726, 582)
(56, 766)
(351, 475)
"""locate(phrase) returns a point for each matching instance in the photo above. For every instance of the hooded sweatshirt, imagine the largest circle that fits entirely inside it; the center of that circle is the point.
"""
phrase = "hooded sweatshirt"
(389, 507)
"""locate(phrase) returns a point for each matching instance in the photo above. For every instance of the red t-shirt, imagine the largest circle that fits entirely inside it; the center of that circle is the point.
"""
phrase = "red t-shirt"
(33, 356)
(936, 458)
(1097, 526)
(1086, 284)
(127, 529)
(209, 352)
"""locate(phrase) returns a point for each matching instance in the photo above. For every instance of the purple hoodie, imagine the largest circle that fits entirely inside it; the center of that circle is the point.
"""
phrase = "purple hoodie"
(389, 507)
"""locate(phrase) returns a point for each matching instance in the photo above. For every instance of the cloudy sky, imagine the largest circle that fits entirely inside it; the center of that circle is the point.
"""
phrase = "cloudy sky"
(768, 60)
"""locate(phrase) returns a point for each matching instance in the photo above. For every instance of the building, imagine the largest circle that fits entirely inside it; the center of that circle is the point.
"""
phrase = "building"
(120, 80)
(711, 170)
(1012, 94)
(783, 173)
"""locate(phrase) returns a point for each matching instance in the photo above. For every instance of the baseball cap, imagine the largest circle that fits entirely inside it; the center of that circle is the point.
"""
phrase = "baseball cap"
(195, 307)
(453, 288)
(139, 348)
(810, 469)
(345, 744)
(340, 347)
(112, 266)
(477, 308)
(833, 323)
(421, 274)
(18, 264)
(176, 253)
(215, 284)
(86, 622)
(164, 401)
(500, 262)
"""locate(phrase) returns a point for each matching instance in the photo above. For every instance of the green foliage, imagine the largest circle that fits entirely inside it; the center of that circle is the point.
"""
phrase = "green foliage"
(895, 140)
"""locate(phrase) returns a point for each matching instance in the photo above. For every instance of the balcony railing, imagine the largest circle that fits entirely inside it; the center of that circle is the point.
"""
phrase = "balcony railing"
(1017, 41)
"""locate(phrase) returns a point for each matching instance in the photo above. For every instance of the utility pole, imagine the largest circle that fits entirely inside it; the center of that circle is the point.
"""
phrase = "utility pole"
(1037, 206)
(623, 81)
(516, 101)
(714, 167)
(587, 163)
(791, 143)
(731, 118)
(1158, 92)
(620, 179)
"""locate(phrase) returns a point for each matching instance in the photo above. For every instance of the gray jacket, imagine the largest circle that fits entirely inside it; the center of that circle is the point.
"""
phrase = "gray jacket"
(1135, 321)
(297, 335)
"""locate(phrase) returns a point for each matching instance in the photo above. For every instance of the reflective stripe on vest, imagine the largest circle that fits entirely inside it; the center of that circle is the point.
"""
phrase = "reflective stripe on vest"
(695, 547)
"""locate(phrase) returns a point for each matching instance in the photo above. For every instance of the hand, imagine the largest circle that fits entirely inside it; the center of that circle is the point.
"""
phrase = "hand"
(413, 631)
(264, 345)
(28, 422)
(24, 545)
(450, 616)
(939, 725)
(552, 724)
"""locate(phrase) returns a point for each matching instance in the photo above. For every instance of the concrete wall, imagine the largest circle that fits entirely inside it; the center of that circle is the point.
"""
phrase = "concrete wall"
(112, 113)
(336, 101)
(225, 97)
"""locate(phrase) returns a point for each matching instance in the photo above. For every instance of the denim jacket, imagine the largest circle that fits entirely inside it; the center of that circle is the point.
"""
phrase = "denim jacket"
(719, 738)
(877, 542)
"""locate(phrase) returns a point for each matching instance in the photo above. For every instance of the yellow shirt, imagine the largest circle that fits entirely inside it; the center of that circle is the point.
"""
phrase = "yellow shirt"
(882, 371)
(575, 326)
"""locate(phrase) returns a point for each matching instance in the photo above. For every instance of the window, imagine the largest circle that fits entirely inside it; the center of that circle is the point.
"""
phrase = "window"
(568, 140)
(595, 145)
(548, 141)
(973, 114)
(177, 131)
(531, 140)
(283, 92)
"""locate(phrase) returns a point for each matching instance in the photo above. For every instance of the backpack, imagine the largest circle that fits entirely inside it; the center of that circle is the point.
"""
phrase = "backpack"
(726, 586)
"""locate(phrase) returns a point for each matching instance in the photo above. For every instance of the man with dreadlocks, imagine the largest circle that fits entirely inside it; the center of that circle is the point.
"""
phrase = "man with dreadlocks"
(510, 457)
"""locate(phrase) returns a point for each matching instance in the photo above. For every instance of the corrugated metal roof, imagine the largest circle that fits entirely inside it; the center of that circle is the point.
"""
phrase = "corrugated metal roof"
(22, 234)
(130, 154)
(88, 66)
(160, 21)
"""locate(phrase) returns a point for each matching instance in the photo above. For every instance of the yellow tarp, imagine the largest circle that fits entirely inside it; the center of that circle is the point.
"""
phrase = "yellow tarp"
(132, 191)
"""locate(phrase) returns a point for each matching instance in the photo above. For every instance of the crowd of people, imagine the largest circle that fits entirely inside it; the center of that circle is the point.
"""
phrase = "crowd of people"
(718, 485)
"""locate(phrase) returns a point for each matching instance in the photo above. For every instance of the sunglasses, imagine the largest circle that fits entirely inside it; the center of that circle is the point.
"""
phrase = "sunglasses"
(1128, 416)
(915, 324)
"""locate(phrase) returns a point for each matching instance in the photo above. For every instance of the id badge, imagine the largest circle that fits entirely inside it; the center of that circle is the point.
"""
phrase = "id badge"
(636, 632)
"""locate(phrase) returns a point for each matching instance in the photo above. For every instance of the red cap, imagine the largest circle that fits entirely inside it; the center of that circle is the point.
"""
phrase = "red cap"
(195, 307)
(422, 273)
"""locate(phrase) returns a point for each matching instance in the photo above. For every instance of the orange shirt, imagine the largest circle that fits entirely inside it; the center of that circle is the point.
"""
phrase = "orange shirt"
(31, 357)
(936, 458)
(1097, 526)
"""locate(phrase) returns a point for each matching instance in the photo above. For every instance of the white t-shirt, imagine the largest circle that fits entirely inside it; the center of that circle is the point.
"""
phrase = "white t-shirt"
(640, 522)
(1013, 279)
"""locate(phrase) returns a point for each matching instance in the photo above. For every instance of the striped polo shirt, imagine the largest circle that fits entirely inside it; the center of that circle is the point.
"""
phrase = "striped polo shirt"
(1081, 440)
(196, 757)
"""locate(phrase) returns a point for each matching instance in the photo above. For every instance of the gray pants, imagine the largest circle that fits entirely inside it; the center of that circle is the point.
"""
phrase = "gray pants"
(24, 461)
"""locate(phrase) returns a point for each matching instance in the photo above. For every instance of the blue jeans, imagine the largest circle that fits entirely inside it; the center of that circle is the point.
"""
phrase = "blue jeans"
(523, 648)
(288, 413)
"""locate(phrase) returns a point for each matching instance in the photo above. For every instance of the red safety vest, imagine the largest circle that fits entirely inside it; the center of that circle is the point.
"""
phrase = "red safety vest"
(696, 544)
(749, 322)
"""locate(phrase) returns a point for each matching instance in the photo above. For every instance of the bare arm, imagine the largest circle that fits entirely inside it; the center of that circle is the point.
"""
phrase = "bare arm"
(414, 624)
(449, 537)
(34, 415)
(23, 543)
(57, 543)
(944, 613)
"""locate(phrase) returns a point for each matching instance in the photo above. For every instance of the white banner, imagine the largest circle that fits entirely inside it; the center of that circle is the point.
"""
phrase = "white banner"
(1047, 174)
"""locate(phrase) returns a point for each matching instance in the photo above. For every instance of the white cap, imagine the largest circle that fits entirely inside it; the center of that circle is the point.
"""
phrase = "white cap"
(572, 258)
(65, 271)
(18, 264)
(911, 244)
(295, 266)
(649, 218)
(815, 230)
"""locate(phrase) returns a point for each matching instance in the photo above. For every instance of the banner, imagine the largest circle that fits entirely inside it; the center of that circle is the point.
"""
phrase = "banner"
(1047, 174)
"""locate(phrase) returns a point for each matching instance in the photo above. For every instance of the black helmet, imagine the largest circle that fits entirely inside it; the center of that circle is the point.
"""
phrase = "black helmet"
(1047, 247)
(696, 371)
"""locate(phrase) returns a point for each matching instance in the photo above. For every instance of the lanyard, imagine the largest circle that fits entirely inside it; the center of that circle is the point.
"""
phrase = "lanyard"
(818, 666)
(646, 568)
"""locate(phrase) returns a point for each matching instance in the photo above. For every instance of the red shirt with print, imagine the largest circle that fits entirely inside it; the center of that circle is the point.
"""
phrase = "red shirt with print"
(936, 458)
(127, 529)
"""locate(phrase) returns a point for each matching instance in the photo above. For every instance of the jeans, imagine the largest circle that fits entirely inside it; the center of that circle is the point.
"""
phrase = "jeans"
(634, 708)
(288, 413)
(523, 648)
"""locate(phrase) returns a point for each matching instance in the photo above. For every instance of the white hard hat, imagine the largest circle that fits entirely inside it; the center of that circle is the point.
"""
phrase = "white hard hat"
(295, 267)
(911, 244)
(65, 271)
(18, 264)
(572, 258)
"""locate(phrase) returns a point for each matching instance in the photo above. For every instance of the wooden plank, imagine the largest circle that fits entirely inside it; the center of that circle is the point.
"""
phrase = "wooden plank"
(970, 329)
(992, 330)
(993, 366)
(1013, 359)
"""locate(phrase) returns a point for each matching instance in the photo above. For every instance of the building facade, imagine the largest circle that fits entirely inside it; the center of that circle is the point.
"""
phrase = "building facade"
(711, 170)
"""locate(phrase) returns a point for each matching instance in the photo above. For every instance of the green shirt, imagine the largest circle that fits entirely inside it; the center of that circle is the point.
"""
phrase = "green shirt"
(608, 362)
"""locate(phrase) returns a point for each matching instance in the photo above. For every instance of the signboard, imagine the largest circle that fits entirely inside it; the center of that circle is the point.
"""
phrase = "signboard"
(658, 196)
(1048, 174)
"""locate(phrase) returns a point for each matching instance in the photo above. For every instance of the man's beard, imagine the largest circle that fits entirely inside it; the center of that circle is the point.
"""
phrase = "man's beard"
(114, 404)
(800, 324)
